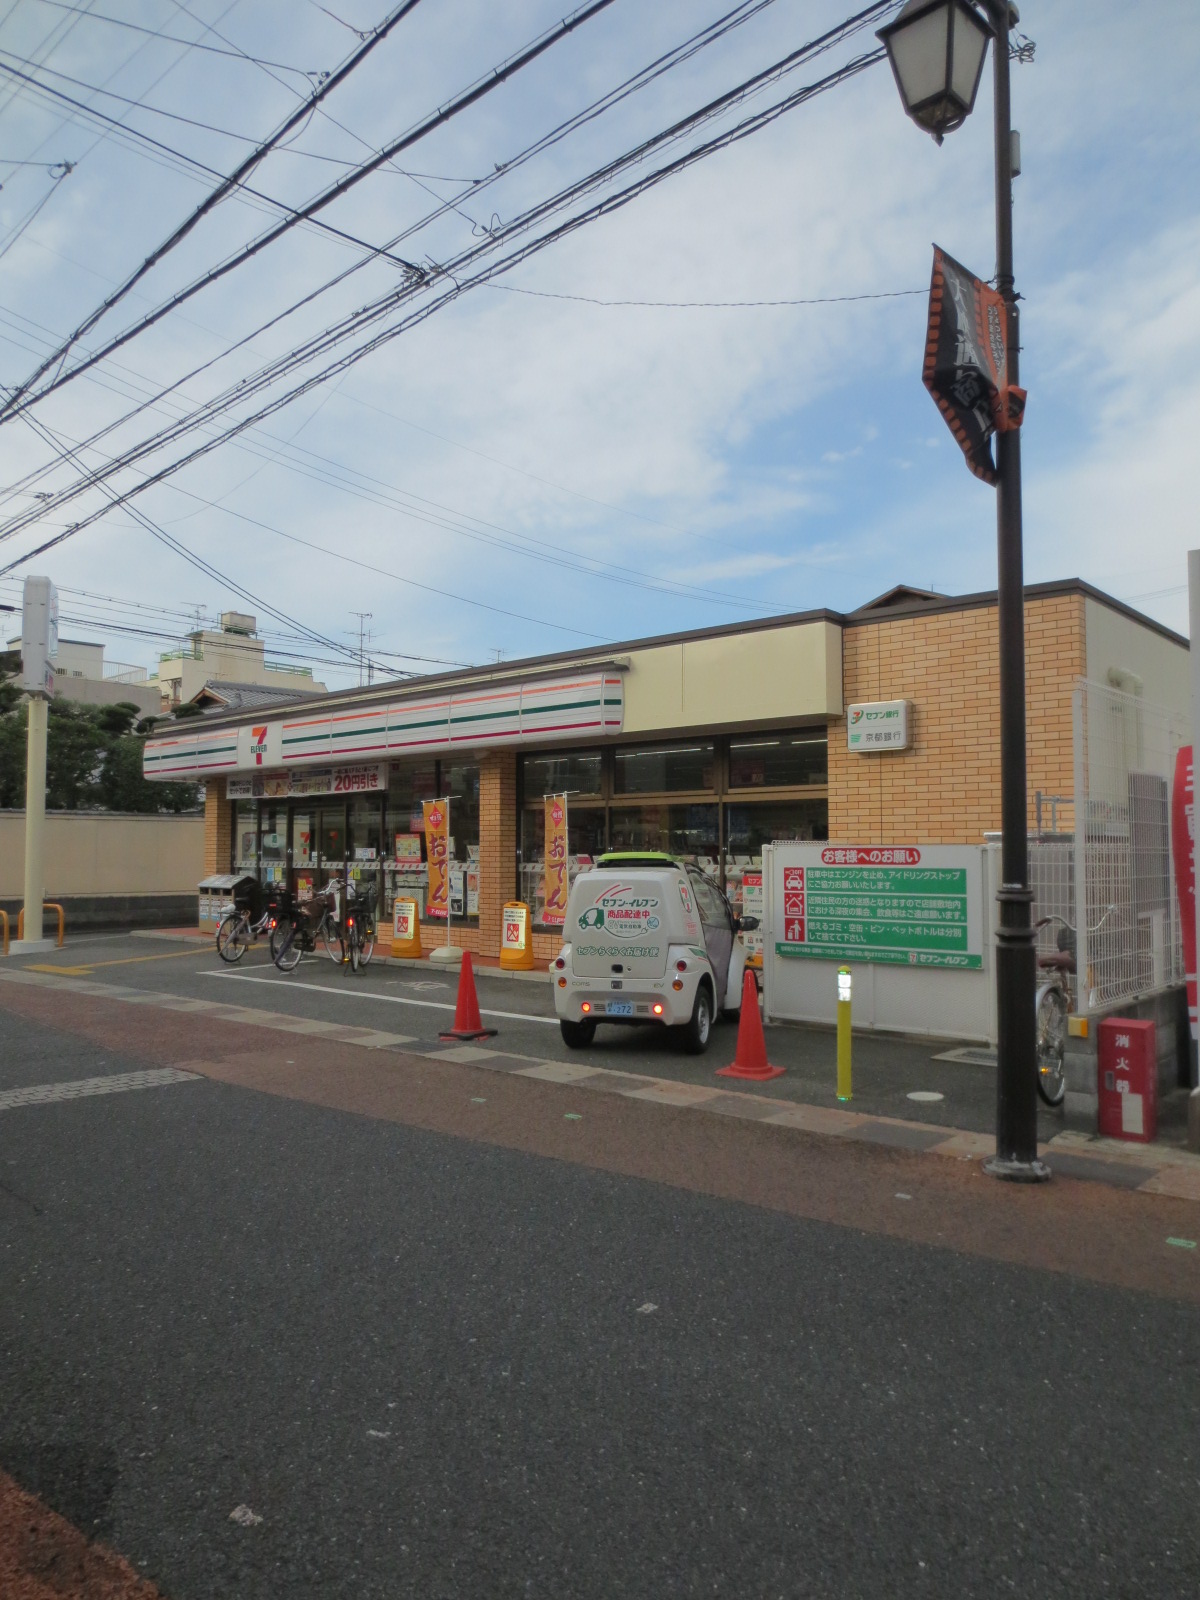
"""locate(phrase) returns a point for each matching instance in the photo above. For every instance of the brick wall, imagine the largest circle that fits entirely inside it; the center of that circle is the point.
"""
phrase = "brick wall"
(218, 828)
(497, 843)
(946, 788)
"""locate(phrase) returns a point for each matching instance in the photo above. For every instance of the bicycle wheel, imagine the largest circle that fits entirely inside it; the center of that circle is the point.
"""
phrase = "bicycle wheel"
(1051, 1043)
(331, 941)
(233, 937)
(366, 941)
(355, 948)
(287, 957)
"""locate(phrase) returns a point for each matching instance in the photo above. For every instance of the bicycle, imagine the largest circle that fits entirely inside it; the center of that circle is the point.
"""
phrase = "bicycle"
(1052, 1005)
(349, 940)
(292, 934)
(241, 925)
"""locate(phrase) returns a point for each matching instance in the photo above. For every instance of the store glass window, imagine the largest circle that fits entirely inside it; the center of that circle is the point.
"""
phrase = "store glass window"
(665, 769)
(303, 838)
(331, 833)
(366, 828)
(748, 827)
(689, 832)
(585, 841)
(460, 783)
(273, 843)
(779, 760)
(575, 772)
(245, 836)
(409, 785)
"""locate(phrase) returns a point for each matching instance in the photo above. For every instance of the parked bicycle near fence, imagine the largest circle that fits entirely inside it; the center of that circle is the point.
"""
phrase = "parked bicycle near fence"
(1055, 968)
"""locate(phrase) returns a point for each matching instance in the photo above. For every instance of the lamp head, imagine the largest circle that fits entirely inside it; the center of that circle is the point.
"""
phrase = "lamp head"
(936, 49)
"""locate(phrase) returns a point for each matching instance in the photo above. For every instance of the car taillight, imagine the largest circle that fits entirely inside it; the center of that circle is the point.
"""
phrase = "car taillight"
(657, 1008)
(562, 983)
(677, 984)
(681, 966)
(586, 1007)
(560, 963)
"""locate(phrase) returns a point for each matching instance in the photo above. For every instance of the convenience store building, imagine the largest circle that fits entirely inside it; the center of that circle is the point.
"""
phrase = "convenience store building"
(707, 743)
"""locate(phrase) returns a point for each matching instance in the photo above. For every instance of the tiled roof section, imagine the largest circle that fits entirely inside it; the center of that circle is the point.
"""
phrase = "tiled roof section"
(221, 695)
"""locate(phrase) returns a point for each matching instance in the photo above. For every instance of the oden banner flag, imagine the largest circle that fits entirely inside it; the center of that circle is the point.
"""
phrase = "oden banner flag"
(556, 885)
(437, 849)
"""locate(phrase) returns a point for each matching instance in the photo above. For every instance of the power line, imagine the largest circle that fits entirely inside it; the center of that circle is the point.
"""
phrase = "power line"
(484, 86)
(225, 187)
(188, 555)
(714, 31)
(460, 284)
(173, 38)
(688, 305)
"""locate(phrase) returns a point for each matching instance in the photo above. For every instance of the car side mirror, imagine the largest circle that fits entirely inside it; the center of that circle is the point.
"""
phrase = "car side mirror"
(747, 924)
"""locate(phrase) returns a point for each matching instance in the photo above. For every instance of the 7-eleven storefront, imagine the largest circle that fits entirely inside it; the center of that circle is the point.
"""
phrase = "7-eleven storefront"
(705, 744)
(708, 744)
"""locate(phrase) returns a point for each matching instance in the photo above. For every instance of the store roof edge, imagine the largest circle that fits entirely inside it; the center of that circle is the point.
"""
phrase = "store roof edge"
(615, 656)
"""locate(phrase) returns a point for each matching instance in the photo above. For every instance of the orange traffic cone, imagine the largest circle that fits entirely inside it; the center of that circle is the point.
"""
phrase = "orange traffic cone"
(750, 1058)
(468, 1024)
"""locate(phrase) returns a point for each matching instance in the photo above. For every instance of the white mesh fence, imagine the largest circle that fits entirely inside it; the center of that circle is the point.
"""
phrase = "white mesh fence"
(1113, 881)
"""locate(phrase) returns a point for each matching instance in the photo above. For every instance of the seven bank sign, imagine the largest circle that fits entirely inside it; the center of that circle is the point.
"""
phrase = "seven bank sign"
(877, 725)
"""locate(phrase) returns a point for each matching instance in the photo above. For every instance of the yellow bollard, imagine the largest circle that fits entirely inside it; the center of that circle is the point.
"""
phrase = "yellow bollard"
(843, 1034)
(516, 938)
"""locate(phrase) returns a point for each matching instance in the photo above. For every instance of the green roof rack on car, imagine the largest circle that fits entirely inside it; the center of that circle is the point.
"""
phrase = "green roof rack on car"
(636, 858)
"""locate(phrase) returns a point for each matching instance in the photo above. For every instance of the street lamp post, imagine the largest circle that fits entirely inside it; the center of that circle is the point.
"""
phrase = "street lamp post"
(937, 50)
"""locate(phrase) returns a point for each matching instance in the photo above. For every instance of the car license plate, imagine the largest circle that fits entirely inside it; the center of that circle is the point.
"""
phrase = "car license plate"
(620, 1008)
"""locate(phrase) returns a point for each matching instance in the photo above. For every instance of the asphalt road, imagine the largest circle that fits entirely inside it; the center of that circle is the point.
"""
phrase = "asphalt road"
(435, 1366)
(419, 1001)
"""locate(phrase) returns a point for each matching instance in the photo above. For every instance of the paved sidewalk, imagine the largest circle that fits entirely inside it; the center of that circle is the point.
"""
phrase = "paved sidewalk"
(1150, 1169)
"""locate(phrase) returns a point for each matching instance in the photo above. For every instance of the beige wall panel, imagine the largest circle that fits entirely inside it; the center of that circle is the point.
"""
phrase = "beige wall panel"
(654, 689)
(774, 674)
(98, 853)
(1117, 642)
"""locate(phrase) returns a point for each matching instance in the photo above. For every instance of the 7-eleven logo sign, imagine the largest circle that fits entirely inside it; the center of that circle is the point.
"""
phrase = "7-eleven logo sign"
(258, 744)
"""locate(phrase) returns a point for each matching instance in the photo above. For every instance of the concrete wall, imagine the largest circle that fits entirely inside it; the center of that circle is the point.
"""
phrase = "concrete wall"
(1116, 643)
(92, 854)
(106, 692)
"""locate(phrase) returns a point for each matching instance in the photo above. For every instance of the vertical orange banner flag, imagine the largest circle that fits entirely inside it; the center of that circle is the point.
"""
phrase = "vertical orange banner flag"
(556, 885)
(437, 850)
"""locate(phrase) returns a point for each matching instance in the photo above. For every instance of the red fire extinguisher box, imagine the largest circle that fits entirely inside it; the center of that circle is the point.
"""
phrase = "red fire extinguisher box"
(1128, 1071)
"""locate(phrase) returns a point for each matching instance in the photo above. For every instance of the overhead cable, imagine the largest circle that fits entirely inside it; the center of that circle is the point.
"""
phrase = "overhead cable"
(485, 85)
(460, 283)
(225, 187)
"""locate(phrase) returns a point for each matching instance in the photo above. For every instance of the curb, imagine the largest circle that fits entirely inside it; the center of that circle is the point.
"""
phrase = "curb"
(1148, 1169)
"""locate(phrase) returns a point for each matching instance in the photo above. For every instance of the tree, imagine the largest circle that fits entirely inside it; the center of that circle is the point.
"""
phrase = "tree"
(93, 758)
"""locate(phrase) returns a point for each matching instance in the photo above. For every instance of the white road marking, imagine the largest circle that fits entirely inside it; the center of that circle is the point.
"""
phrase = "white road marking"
(40, 1094)
(369, 994)
(925, 1095)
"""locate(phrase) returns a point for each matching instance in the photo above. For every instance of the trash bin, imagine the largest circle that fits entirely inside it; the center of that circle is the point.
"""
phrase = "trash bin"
(216, 897)
(1128, 1072)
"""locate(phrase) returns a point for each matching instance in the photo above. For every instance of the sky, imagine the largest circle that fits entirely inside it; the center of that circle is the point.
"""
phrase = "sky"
(534, 466)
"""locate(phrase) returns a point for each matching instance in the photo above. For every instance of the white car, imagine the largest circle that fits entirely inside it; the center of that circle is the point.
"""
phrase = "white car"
(648, 940)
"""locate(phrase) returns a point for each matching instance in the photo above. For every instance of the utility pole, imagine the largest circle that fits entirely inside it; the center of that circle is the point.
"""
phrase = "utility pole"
(39, 646)
(363, 618)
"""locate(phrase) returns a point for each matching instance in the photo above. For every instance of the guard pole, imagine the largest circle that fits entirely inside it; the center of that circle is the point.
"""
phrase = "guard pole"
(843, 1034)
(35, 815)
(1193, 562)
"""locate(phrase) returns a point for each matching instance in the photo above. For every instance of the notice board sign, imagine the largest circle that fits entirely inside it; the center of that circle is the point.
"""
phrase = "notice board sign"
(910, 905)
